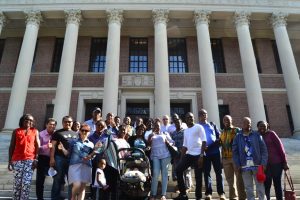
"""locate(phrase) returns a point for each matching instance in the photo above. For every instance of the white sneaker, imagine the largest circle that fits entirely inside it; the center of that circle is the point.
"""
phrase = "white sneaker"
(208, 197)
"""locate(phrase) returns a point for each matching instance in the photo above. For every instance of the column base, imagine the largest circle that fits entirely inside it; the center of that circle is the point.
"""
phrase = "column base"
(296, 134)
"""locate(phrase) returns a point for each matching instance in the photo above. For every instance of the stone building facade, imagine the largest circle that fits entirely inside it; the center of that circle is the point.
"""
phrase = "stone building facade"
(150, 58)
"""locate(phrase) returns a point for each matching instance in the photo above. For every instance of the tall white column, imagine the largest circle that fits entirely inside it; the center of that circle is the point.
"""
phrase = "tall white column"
(2, 21)
(111, 78)
(252, 83)
(207, 73)
(289, 68)
(162, 86)
(66, 69)
(21, 80)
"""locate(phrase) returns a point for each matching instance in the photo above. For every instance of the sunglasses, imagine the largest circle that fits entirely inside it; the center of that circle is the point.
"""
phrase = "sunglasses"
(28, 119)
(84, 130)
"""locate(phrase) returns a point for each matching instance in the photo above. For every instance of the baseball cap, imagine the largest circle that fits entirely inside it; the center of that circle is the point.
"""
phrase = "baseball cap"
(97, 109)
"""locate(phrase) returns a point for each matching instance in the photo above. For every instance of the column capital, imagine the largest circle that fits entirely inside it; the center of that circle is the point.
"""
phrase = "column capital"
(242, 18)
(33, 17)
(160, 16)
(73, 16)
(114, 16)
(278, 19)
(201, 17)
(2, 19)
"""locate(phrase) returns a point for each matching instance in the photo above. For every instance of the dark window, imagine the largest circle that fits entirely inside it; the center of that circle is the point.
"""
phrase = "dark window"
(218, 55)
(49, 112)
(266, 113)
(138, 55)
(181, 109)
(134, 110)
(34, 56)
(2, 43)
(98, 55)
(276, 56)
(256, 56)
(223, 110)
(289, 113)
(59, 43)
(89, 109)
(177, 55)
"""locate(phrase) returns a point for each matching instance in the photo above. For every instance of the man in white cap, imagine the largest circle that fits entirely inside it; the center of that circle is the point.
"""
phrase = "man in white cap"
(96, 116)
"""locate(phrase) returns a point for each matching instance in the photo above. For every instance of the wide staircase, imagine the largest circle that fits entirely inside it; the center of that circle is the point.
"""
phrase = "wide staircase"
(292, 147)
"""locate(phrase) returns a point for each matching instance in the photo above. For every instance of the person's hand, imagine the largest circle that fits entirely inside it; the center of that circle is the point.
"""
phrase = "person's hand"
(286, 167)
(98, 145)
(34, 164)
(86, 158)
(60, 146)
(49, 144)
(52, 162)
(200, 162)
(10, 167)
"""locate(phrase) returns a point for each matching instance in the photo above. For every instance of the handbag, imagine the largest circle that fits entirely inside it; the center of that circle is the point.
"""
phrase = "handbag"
(260, 175)
(173, 150)
(289, 194)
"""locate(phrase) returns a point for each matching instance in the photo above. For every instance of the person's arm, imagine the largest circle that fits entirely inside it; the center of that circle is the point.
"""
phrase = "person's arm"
(203, 145)
(11, 149)
(52, 153)
(277, 142)
(263, 151)
(63, 149)
(37, 147)
(235, 152)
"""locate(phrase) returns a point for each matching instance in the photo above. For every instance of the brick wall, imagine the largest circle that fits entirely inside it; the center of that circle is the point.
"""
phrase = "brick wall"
(3, 107)
(82, 60)
(124, 54)
(192, 55)
(44, 54)
(232, 55)
(10, 55)
(266, 56)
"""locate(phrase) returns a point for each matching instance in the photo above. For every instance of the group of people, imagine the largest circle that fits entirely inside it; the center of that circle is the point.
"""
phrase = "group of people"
(87, 154)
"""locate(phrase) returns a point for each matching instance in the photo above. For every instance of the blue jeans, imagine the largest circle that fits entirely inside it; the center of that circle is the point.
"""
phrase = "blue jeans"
(214, 160)
(274, 173)
(160, 165)
(61, 166)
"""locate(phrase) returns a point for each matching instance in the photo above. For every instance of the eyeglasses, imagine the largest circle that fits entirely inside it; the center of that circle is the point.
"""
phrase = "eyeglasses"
(68, 122)
(165, 119)
(28, 119)
(84, 130)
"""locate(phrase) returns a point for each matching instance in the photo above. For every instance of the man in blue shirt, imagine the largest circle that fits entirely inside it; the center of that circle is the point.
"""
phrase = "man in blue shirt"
(212, 157)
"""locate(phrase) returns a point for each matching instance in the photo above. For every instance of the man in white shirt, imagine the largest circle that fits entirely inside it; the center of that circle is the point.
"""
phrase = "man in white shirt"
(194, 143)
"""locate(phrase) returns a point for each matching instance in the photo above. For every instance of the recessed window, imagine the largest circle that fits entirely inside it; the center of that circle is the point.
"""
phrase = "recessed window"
(98, 55)
(290, 117)
(2, 43)
(59, 43)
(218, 55)
(223, 110)
(276, 56)
(177, 55)
(256, 57)
(138, 55)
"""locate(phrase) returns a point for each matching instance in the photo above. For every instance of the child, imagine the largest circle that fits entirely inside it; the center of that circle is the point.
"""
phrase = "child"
(100, 180)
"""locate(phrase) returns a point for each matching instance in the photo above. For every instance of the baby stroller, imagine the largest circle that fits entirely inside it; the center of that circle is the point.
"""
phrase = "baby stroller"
(135, 174)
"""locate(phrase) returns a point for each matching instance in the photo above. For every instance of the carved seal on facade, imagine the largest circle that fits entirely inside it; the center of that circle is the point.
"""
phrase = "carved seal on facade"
(138, 81)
